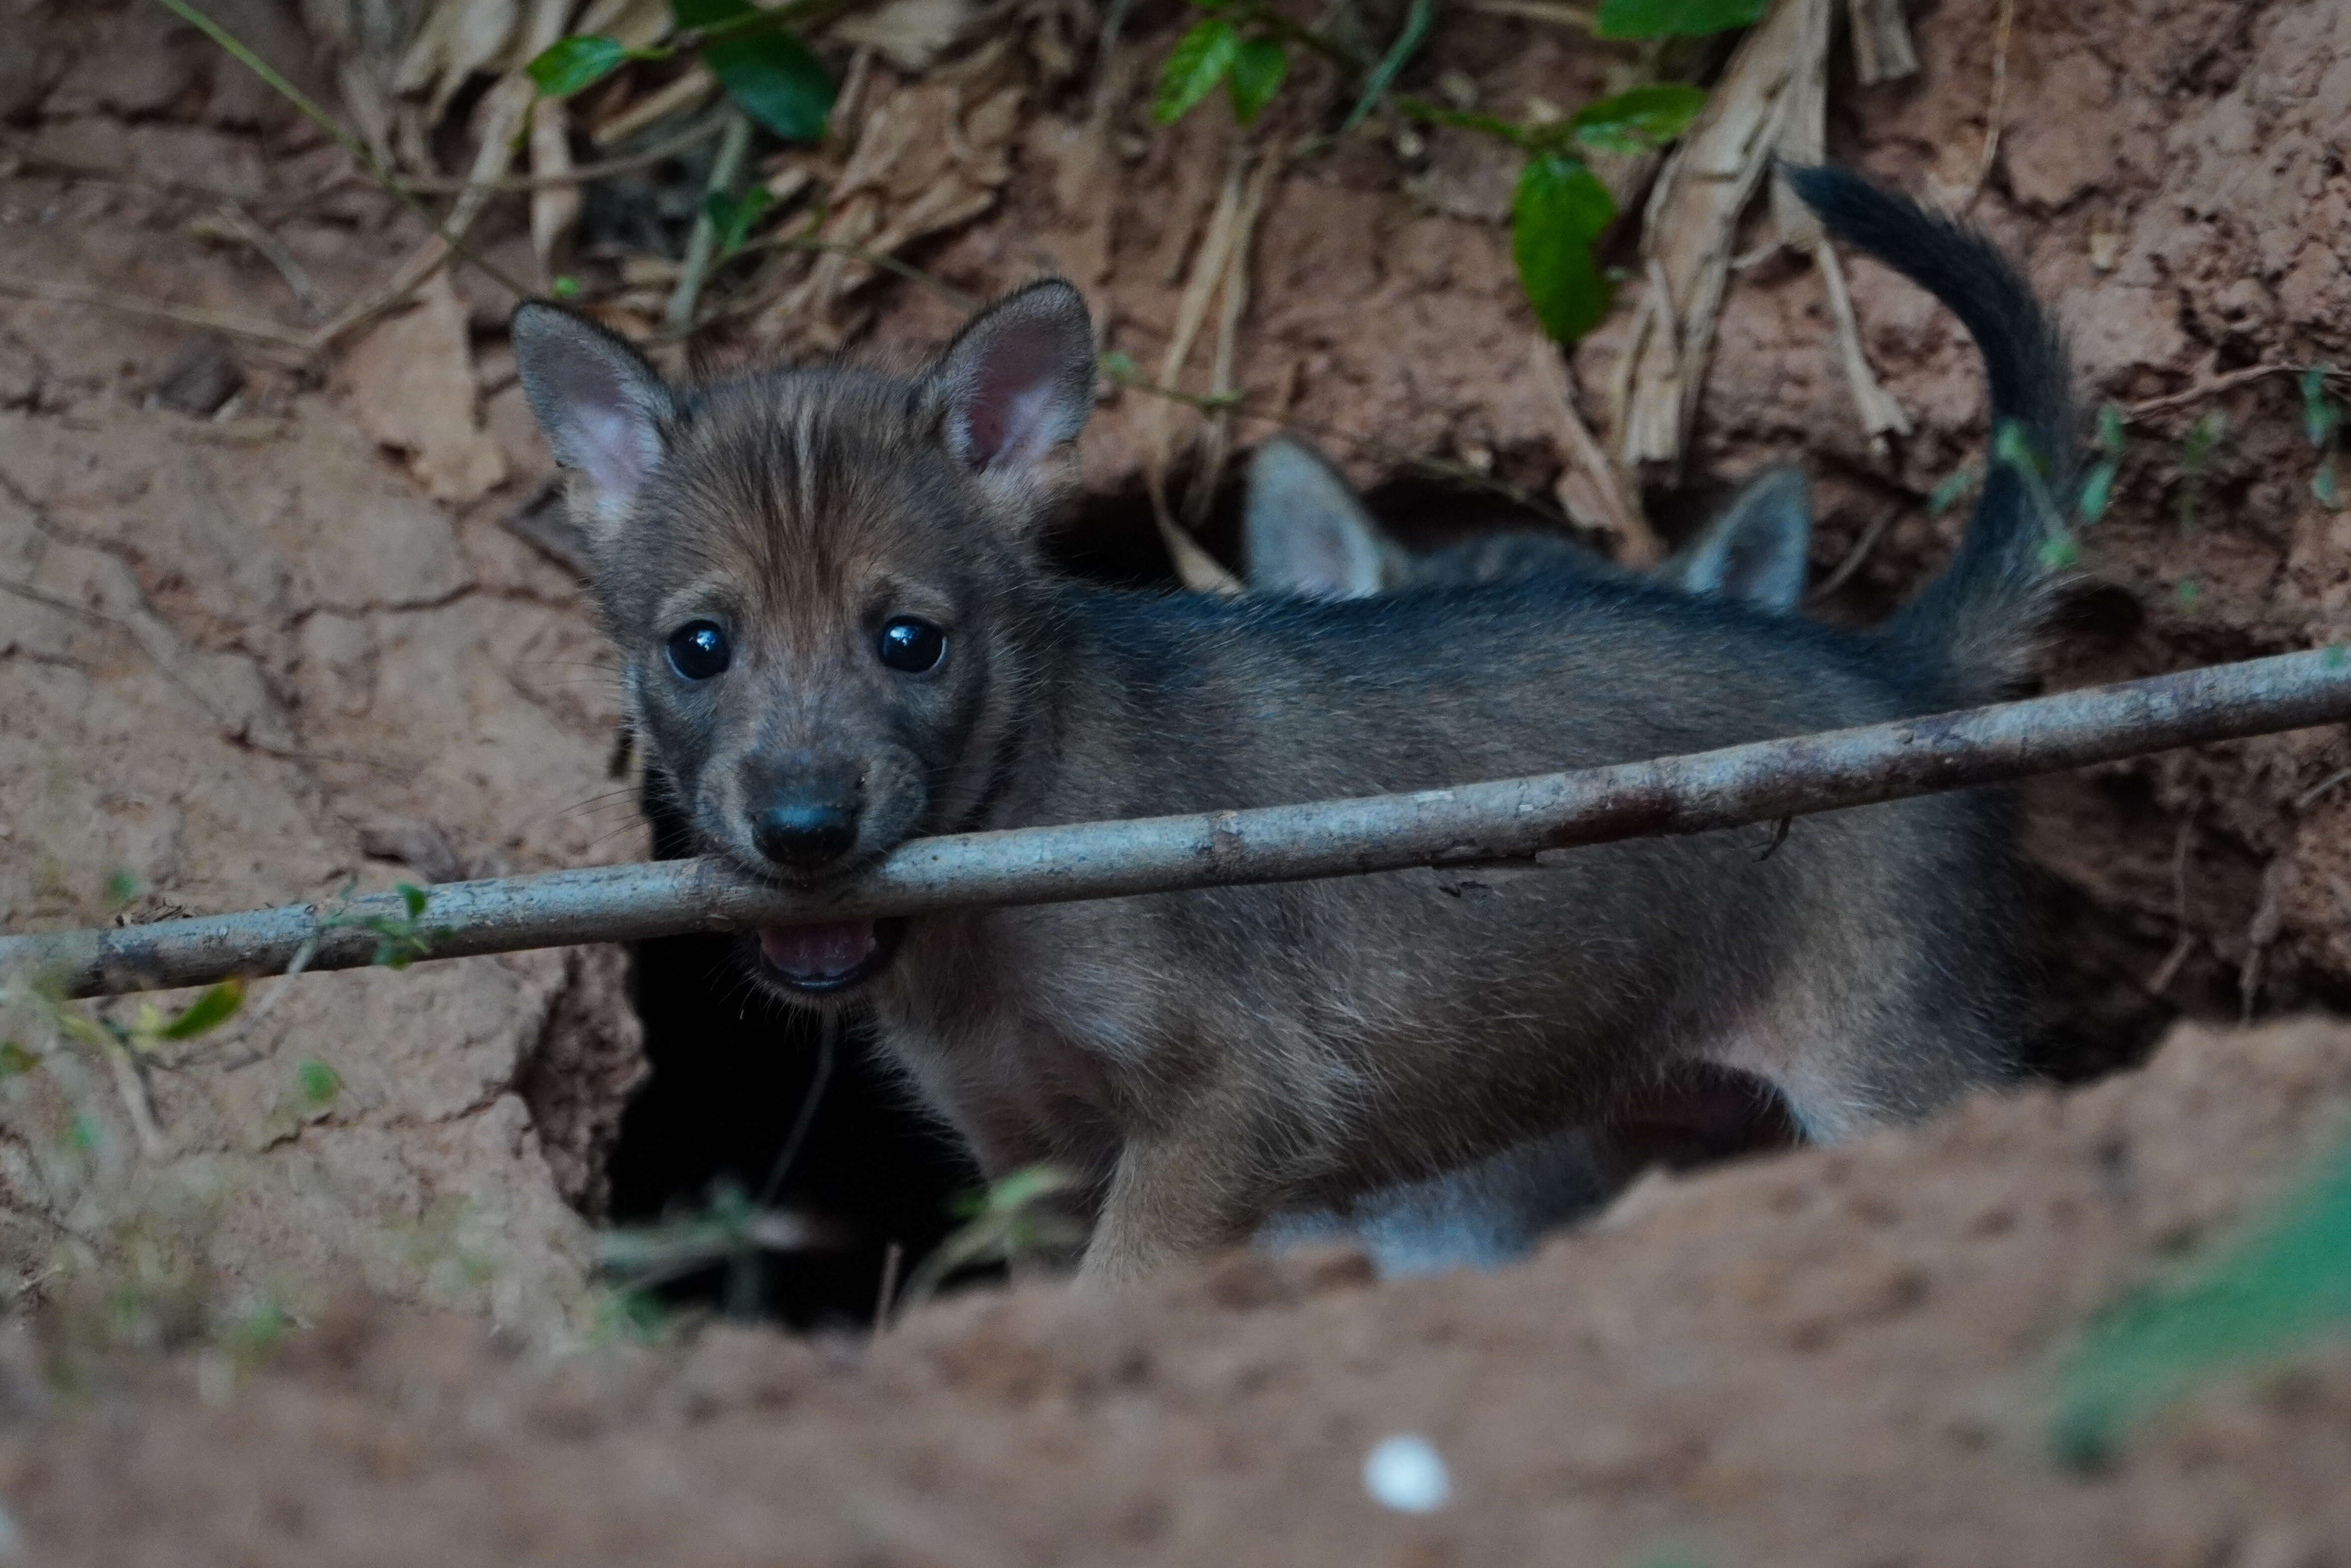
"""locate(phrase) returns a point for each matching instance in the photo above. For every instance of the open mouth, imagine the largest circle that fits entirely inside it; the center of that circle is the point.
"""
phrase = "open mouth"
(827, 959)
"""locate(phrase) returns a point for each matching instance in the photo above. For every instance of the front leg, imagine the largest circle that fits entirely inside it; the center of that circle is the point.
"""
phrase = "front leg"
(1182, 1191)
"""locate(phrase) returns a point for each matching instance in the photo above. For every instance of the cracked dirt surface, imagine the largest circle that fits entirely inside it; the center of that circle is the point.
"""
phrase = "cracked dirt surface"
(252, 654)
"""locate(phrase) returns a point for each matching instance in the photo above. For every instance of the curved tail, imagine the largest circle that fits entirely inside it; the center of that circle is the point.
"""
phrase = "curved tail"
(1981, 619)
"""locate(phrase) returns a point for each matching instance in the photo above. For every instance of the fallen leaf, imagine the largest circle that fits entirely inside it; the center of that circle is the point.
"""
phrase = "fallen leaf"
(456, 39)
(910, 34)
(411, 387)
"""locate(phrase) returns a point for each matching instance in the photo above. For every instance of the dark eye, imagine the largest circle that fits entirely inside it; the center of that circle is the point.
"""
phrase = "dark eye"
(911, 646)
(698, 650)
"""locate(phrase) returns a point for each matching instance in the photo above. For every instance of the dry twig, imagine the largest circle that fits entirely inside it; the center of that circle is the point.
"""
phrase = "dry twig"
(2003, 30)
(2185, 943)
(286, 337)
(1194, 566)
(1688, 226)
(1511, 822)
(1594, 490)
(2188, 396)
(1882, 49)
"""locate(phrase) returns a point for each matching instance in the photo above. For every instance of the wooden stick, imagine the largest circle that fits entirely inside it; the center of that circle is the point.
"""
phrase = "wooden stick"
(1507, 822)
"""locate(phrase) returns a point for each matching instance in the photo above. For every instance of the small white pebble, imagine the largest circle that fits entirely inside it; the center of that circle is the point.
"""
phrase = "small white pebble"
(1407, 1474)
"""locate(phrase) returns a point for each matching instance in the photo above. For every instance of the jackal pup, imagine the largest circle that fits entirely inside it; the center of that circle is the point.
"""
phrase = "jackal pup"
(837, 633)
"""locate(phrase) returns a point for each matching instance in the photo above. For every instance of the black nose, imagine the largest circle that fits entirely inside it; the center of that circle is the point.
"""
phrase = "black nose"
(806, 833)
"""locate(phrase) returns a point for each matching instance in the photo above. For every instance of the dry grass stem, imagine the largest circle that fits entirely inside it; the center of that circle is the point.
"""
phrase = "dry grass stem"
(1216, 437)
(245, 227)
(1880, 415)
(2003, 30)
(2168, 970)
(1852, 559)
(297, 343)
(580, 174)
(1594, 490)
(1690, 225)
(1555, 12)
(2189, 397)
(702, 246)
(690, 91)
(1882, 48)
(1198, 570)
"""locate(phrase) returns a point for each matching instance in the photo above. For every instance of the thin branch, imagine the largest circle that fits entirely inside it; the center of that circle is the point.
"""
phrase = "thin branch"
(272, 249)
(702, 247)
(2003, 29)
(670, 147)
(1509, 822)
(161, 310)
(1552, 11)
(2188, 396)
(1852, 559)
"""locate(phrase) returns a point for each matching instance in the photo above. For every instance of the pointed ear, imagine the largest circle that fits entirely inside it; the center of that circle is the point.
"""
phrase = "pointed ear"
(600, 406)
(1305, 532)
(1018, 382)
(1755, 550)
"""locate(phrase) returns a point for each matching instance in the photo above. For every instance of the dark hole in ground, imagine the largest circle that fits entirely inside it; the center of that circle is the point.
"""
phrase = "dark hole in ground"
(732, 1070)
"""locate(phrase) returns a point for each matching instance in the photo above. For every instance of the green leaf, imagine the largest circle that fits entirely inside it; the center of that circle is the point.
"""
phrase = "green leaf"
(2097, 488)
(1258, 66)
(318, 1082)
(1639, 118)
(122, 886)
(1197, 64)
(2282, 1282)
(2012, 445)
(563, 285)
(768, 74)
(412, 896)
(1672, 18)
(1946, 492)
(1437, 114)
(1120, 365)
(215, 1007)
(1560, 210)
(2060, 553)
(14, 1059)
(2187, 592)
(732, 216)
(2203, 436)
(2110, 430)
(566, 66)
(1399, 55)
(2320, 414)
(773, 78)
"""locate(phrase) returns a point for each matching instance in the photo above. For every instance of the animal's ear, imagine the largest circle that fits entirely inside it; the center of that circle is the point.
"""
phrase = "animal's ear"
(600, 404)
(1017, 382)
(1305, 532)
(1755, 550)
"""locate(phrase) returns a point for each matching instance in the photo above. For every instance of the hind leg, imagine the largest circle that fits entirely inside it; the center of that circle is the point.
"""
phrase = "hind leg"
(1847, 1069)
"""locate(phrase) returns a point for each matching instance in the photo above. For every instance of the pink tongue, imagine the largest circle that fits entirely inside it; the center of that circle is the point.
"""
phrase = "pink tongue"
(818, 952)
